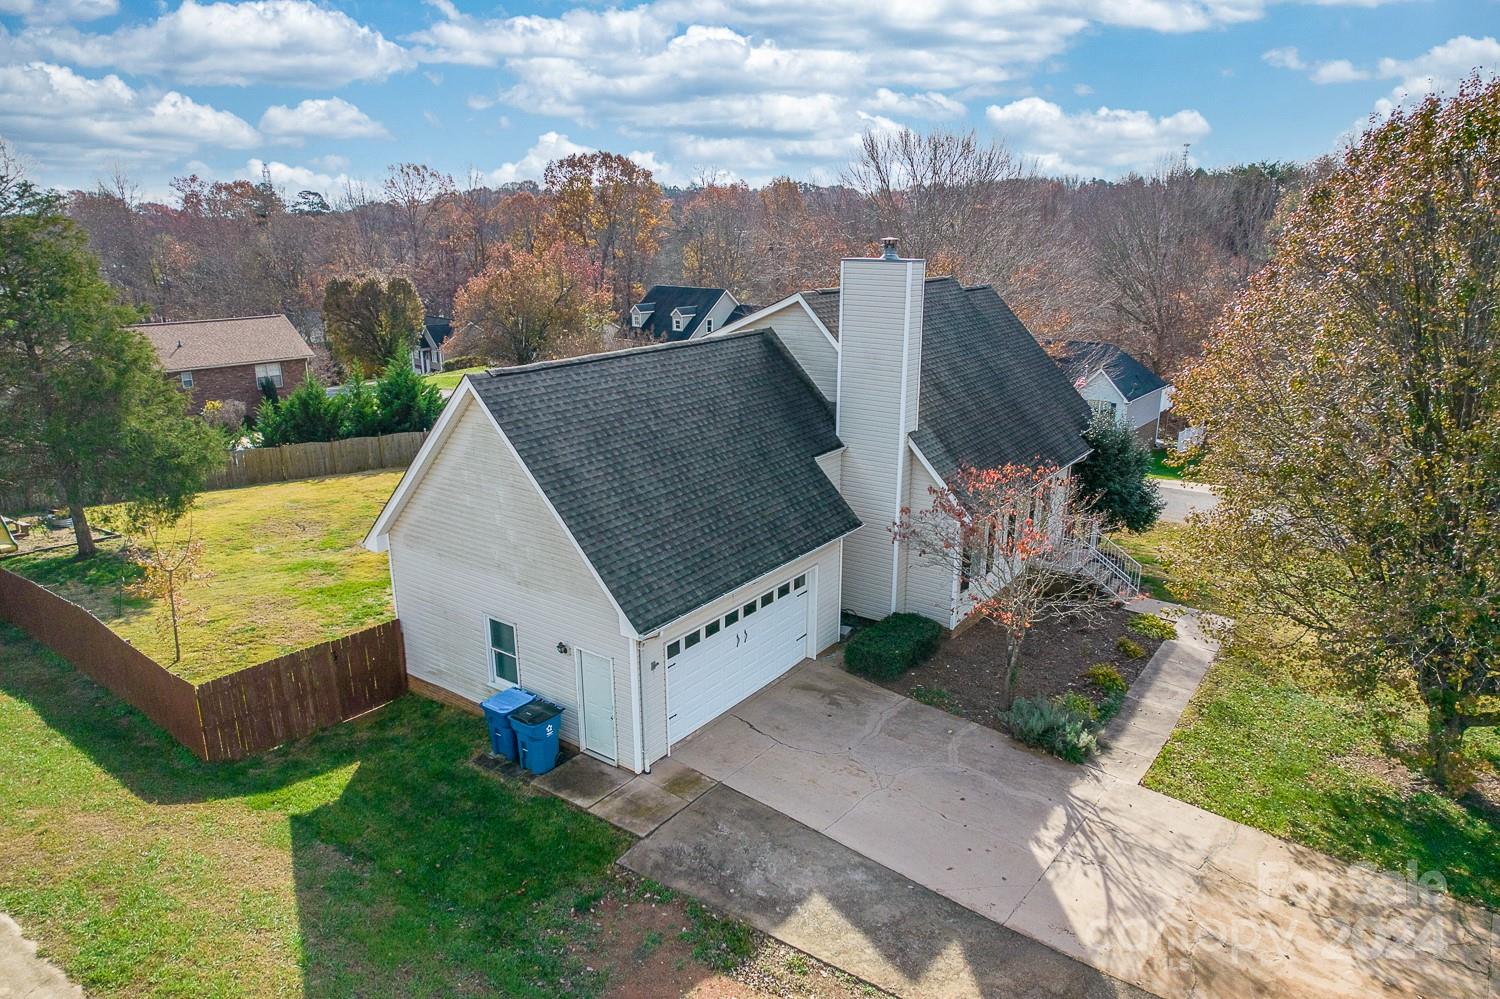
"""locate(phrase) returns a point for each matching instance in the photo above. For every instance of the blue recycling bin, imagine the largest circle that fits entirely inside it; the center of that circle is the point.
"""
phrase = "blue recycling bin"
(497, 711)
(538, 725)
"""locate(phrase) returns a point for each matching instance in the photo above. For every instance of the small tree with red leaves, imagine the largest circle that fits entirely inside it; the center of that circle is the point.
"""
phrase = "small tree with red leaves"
(1016, 538)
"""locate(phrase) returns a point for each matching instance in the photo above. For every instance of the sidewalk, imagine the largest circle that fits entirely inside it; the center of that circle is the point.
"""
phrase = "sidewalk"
(23, 975)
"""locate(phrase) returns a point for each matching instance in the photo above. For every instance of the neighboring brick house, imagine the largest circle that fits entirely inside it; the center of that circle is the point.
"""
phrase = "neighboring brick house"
(227, 358)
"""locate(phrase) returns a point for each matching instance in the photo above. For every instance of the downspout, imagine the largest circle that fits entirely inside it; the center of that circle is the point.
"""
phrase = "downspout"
(637, 709)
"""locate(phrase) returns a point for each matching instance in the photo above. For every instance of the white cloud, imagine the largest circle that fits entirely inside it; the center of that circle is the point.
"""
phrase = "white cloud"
(1337, 71)
(328, 118)
(254, 41)
(1082, 89)
(549, 146)
(53, 11)
(72, 122)
(778, 80)
(1435, 71)
(1439, 69)
(1286, 57)
(931, 104)
(292, 178)
(1104, 142)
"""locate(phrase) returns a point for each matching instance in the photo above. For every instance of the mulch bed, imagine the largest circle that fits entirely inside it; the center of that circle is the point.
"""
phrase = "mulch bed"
(963, 676)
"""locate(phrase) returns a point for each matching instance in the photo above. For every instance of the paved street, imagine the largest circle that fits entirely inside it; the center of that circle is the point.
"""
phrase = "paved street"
(1184, 498)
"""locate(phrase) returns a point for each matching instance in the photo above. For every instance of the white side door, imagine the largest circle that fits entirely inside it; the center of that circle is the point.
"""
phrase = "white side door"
(596, 724)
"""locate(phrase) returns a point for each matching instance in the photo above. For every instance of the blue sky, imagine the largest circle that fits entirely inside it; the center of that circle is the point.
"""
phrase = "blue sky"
(331, 91)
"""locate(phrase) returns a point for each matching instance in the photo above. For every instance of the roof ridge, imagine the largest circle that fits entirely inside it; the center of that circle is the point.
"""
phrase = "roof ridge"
(215, 319)
(605, 355)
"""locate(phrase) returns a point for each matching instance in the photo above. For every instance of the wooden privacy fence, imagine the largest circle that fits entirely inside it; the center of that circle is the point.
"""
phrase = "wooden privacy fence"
(258, 465)
(254, 466)
(234, 716)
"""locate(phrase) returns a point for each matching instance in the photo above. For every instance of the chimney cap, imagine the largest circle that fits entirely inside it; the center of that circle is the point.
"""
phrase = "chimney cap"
(888, 248)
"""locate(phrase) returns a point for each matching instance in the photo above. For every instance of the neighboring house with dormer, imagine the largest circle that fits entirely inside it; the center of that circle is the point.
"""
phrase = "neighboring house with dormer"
(227, 359)
(649, 536)
(1112, 381)
(672, 312)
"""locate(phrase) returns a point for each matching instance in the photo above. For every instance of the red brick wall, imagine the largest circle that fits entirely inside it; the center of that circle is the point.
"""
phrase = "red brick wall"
(238, 382)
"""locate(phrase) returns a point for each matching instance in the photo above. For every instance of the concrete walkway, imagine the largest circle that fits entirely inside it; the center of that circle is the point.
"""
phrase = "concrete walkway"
(1154, 892)
(23, 975)
(1157, 698)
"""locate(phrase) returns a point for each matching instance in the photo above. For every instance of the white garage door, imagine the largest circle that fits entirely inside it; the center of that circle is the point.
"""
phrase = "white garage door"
(713, 668)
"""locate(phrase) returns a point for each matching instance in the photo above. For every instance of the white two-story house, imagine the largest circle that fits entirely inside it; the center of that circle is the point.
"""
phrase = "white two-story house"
(649, 536)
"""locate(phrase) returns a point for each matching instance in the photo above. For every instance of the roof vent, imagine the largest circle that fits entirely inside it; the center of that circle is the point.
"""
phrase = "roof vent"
(888, 248)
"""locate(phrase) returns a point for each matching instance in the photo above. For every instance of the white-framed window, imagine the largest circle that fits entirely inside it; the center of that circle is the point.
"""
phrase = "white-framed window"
(677, 323)
(185, 379)
(637, 319)
(271, 371)
(708, 325)
(505, 664)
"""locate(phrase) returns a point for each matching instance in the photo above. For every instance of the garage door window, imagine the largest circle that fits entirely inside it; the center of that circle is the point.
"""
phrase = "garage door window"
(503, 662)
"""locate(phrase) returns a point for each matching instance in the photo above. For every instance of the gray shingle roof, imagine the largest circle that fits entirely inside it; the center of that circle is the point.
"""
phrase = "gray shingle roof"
(682, 470)
(990, 395)
(825, 305)
(663, 298)
(1081, 358)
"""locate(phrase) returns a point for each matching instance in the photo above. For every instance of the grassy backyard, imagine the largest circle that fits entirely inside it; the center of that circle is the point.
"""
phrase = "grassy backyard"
(284, 570)
(1282, 751)
(369, 859)
(447, 380)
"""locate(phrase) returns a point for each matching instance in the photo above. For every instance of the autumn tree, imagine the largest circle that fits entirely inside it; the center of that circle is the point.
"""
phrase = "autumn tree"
(947, 197)
(1012, 536)
(84, 402)
(417, 194)
(369, 321)
(1352, 405)
(611, 210)
(716, 238)
(528, 306)
(797, 245)
(1164, 273)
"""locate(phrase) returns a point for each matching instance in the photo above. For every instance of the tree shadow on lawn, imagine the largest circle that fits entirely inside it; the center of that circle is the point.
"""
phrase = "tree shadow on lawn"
(416, 873)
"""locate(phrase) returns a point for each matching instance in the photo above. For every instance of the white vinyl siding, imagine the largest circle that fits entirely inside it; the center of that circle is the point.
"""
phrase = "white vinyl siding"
(929, 583)
(879, 336)
(1145, 410)
(807, 344)
(653, 653)
(474, 542)
(832, 465)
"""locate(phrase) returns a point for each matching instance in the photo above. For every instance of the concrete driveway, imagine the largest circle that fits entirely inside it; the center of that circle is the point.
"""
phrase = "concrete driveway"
(1147, 889)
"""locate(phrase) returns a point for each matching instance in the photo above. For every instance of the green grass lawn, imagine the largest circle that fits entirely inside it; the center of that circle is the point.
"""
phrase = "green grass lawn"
(1147, 549)
(1161, 469)
(449, 379)
(285, 570)
(1306, 764)
(370, 859)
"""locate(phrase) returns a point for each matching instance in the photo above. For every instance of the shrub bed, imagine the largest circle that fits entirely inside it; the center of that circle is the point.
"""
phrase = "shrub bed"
(1152, 627)
(1067, 725)
(891, 646)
